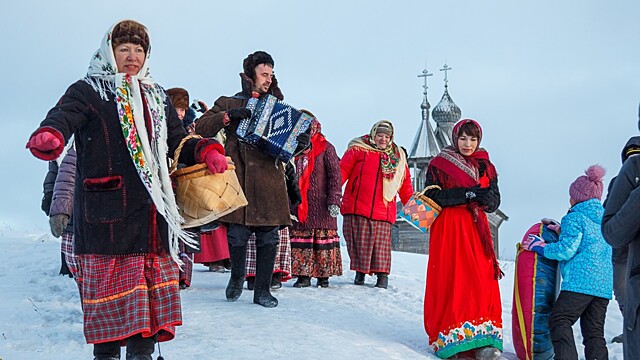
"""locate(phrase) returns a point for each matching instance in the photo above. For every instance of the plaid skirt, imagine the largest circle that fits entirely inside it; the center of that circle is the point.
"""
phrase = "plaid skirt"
(283, 256)
(315, 253)
(368, 244)
(127, 295)
(67, 249)
(186, 272)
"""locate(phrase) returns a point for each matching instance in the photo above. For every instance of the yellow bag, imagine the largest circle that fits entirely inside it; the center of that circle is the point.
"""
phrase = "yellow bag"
(202, 196)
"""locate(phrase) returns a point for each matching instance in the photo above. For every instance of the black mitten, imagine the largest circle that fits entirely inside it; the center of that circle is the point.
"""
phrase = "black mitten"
(238, 114)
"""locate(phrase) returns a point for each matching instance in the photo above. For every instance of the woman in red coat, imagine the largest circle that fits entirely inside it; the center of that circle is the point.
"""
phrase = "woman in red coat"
(462, 310)
(375, 170)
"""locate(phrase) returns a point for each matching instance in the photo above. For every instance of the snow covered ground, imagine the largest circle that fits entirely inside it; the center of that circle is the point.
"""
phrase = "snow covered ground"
(41, 318)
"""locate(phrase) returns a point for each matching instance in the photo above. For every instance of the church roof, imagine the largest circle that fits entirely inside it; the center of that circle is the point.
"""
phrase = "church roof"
(446, 111)
(424, 143)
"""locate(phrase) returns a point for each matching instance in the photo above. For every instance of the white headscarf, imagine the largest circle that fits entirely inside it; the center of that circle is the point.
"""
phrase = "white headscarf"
(149, 156)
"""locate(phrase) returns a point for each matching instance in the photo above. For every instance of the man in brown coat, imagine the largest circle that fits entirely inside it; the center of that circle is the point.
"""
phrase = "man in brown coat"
(261, 178)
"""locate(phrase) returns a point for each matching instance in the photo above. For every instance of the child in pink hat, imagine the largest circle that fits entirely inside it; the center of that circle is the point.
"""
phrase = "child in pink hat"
(587, 271)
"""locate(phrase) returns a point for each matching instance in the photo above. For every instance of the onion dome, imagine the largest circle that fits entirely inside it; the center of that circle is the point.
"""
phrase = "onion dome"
(446, 111)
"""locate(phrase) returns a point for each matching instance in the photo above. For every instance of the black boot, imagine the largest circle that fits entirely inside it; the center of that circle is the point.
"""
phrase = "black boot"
(323, 282)
(383, 280)
(140, 348)
(265, 258)
(238, 256)
(107, 351)
(251, 281)
(303, 281)
(359, 280)
(276, 283)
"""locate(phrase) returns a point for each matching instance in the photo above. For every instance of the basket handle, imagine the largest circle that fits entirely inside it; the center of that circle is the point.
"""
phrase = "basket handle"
(428, 188)
(176, 154)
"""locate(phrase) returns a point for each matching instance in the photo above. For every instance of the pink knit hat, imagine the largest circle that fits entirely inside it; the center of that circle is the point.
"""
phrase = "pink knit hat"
(588, 186)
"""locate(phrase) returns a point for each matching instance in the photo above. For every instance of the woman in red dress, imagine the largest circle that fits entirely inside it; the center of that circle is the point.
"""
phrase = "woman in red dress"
(462, 310)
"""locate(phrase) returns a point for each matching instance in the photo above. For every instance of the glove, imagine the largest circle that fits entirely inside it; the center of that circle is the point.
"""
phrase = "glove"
(334, 210)
(238, 114)
(534, 243)
(216, 162)
(552, 225)
(477, 193)
(44, 142)
(58, 223)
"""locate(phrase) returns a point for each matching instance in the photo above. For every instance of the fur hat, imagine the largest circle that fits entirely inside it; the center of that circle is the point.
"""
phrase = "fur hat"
(252, 60)
(179, 97)
(129, 31)
(588, 186)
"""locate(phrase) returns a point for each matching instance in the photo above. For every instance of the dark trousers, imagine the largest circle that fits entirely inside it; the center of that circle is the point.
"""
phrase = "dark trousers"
(619, 259)
(591, 310)
(238, 235)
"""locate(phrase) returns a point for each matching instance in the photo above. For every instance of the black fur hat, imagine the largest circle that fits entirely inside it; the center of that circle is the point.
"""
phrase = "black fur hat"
(250, 62)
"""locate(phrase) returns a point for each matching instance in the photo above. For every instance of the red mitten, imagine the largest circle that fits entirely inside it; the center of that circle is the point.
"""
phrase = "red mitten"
(46, 143)
(216, 162)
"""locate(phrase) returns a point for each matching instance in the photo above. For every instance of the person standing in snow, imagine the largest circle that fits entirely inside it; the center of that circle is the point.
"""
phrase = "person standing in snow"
(587, 272)
(462, 309)
(374, 169)
(315, 244)
(262, 182)
(126, 222)
(621, 229)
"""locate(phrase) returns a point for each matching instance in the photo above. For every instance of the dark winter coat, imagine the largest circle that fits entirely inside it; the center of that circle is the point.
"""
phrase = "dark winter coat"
(62, 200)
(261, 177)
(324, 190)
(113, 212)
(362, 172)
(621, 227)
(47, 186)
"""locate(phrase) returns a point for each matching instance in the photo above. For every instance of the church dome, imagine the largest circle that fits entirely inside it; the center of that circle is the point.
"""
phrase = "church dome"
(446, 111)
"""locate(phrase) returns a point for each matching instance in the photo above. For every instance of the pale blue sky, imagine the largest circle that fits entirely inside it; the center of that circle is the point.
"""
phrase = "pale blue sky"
(554, 84)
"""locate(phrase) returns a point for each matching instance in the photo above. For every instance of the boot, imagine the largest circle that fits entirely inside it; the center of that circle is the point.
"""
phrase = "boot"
(107, 351)
(275, 281)
(265, 258)
(383, 280)
(140, 348)
(488, 353)
(359, 280)
(251, 280)
(238, 255)
(323, 282)
(303, 281)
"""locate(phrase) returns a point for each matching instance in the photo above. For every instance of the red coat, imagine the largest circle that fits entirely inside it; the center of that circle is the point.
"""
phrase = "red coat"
(362, 172)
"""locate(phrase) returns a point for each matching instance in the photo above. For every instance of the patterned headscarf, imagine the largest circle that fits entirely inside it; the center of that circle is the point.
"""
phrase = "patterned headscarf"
(392, 159)
(135, 95)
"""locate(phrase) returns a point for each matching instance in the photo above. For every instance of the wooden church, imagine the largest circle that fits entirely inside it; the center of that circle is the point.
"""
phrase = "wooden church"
(427, 143)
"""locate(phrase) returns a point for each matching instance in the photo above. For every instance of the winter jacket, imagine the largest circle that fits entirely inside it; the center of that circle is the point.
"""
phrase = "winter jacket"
(585, 257)
(362, 172)
(621, 228)
(324, 190)
(47, 186)
(261, 177)
(114, 214)
(62, 200)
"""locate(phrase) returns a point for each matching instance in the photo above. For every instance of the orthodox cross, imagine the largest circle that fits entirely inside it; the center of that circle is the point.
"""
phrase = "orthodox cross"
(424, 75)
(445, 69)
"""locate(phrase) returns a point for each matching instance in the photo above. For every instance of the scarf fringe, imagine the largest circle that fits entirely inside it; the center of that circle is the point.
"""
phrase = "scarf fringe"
(102, 85)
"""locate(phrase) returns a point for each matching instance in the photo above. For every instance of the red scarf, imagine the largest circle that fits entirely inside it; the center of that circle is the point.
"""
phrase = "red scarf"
(318, 145)
(455, 170)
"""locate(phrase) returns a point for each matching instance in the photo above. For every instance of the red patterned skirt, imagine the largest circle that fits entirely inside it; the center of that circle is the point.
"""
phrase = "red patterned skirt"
(315, 253)
(462, 309)
(283, 256)
(127, 295)
(368, 244)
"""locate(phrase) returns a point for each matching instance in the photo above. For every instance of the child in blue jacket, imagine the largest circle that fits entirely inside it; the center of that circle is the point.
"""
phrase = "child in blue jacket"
(587, 272)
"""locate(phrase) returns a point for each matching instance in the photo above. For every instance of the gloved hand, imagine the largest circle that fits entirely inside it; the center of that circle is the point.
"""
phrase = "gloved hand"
(44, 142)
(303, 141)
(334, 210)
(216, 162)
(58, 223)
(534, 243)
(238, 114)
(477, 193)
(552, 225)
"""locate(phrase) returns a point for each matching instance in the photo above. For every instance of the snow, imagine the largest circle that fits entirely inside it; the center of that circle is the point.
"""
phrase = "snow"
(41, 317)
